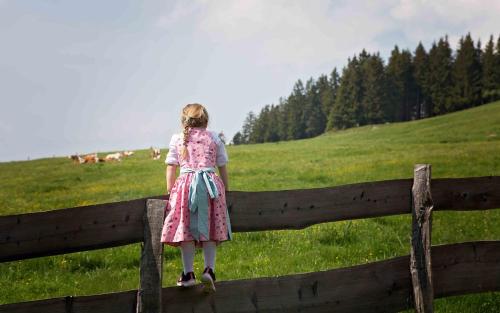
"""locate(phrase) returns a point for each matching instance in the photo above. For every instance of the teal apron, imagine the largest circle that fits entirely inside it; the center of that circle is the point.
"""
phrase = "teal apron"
(202, 186)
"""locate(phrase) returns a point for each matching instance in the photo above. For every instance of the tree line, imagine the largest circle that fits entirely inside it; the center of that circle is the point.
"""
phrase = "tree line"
(411, 86)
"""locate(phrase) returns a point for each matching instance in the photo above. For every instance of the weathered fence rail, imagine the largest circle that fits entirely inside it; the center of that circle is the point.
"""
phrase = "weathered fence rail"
(383, 286)
(380, 286)
(85, 228)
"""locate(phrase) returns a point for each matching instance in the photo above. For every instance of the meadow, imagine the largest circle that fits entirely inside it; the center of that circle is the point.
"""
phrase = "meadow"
(460, 144)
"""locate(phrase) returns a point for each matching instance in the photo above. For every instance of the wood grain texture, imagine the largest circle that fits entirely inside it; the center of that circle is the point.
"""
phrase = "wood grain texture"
(118, 302)
(466, 194)
(112, 224)
(149, 294)
(297, 209)
(464, 268)
(376, 287)
(68, 230)
(383, 286)
(420, 254)
(55, 305)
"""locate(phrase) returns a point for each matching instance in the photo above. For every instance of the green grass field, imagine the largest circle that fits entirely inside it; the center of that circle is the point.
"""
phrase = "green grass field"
(460, 144)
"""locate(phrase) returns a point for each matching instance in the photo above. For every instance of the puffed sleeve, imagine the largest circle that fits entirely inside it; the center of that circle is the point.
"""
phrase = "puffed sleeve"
(221, 158)
(172, 155)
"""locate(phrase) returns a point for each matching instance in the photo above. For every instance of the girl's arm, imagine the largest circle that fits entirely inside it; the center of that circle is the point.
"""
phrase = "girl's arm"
(223, 176)
(170, 173)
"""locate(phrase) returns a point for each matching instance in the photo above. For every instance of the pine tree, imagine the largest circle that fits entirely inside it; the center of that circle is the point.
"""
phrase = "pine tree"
(410, 86)
(248, 126)
(402, 85)
(295, 121)
(328, 93)
(334, 84)
(363, 58)
(497, 66)
(314, 119)
(272, 130)
(410, 105)
(375, 98)
(237, 139)
(395, 86)
(265, 126)
(259, 126)
(347, 107)
(495, 93)
(281, 119)
(325, 94)
(421, 76)
(440, 77)
(488, 69)
(467, 75)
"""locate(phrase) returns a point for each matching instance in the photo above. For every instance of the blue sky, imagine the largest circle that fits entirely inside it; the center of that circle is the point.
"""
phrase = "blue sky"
(90, 76)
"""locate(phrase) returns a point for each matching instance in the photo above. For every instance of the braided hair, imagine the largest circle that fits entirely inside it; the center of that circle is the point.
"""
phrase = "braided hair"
(193, 115)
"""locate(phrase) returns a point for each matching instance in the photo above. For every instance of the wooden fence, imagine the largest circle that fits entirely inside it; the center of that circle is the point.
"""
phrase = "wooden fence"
(391, 285)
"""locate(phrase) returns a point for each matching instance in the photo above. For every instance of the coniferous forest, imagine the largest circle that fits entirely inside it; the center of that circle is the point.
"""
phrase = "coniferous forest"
(412, 85)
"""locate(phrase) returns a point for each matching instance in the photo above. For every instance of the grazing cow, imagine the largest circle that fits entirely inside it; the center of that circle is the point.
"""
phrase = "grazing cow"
(76, 158)
(89, 158)
(114, 157)
(155, 153)
(128, 153)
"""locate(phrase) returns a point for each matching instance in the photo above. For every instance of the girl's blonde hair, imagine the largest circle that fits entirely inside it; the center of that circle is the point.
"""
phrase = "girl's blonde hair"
(193, 115)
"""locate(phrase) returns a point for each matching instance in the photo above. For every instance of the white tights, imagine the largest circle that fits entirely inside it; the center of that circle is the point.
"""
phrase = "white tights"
(188, 250)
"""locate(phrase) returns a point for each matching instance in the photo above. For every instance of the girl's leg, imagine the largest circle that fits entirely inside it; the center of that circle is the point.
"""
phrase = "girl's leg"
(208, 277)
(209, 251)
(187, 251)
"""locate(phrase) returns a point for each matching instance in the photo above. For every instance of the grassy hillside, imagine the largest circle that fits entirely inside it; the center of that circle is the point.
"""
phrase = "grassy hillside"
(460, 144)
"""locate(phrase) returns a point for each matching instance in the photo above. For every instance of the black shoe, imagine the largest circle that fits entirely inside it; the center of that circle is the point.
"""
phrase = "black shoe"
(186, 280)
(208, 279)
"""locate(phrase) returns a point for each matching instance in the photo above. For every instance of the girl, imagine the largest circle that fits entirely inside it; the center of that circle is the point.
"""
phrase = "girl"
(197, 212)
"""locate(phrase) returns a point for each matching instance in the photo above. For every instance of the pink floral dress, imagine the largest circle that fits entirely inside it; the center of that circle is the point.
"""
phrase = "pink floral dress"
(205, 151)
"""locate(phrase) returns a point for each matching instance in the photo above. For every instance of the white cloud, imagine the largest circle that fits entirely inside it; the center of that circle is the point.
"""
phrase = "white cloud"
(179, 11)
(293, 32)
(309, 33)
(429, 20)
(96, 71)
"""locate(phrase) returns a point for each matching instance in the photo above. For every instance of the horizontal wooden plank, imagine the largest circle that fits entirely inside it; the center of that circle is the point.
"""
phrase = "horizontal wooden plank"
(383, 286)
(463, 268)
(465, 194)
(297, 209)
(56, 305)
(376, 287)
(77, 229)
(116, 302)
(112, 224)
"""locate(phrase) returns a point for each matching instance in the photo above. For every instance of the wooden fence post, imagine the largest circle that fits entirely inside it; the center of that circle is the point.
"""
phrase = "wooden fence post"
(420, 256)
(149, 294)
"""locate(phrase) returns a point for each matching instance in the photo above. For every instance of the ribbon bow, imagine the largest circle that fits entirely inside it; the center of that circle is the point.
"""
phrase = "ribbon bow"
(202, 186)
